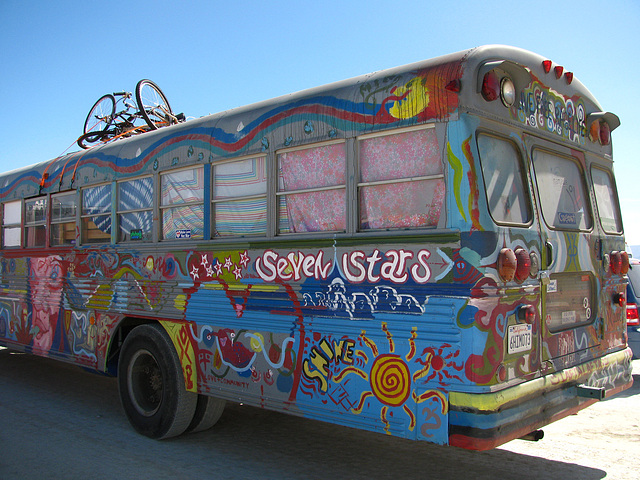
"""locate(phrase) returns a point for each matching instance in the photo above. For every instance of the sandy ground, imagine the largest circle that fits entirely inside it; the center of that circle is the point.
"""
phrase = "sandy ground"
(59, 422)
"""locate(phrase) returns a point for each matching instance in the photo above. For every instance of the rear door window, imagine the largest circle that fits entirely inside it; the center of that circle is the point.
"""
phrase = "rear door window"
(562, 194)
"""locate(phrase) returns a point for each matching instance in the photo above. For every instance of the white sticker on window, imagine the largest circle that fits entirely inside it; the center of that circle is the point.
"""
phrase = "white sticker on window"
(568, 317)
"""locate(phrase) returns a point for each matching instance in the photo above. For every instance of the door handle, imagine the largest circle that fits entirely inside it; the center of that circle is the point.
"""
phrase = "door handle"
(549, 250)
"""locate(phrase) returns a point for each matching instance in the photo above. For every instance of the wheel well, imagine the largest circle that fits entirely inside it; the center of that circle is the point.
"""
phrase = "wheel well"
(117, 339)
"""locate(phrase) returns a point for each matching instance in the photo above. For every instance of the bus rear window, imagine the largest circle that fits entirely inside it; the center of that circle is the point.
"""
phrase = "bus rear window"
(607, 201)
(562, 193)
(503, 180)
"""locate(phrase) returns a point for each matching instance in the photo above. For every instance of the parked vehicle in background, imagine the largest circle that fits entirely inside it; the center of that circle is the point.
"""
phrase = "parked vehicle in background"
(633, 320)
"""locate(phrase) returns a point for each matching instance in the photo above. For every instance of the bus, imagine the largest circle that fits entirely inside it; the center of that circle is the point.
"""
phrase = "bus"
(433, 251)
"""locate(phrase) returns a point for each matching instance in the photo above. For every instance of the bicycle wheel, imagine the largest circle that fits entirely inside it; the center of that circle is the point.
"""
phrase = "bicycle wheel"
(101, 114)
(91, 137)
(153, 105)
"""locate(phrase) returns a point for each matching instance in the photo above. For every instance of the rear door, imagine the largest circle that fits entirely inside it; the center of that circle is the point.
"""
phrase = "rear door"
(571, 327)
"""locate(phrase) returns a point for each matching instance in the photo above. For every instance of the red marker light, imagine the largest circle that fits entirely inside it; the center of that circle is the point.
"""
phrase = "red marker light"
(453, 85)
(568, 77)
(546, 66)
(558, 71)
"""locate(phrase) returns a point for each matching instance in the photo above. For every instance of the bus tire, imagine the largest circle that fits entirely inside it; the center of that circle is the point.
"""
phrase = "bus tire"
(208, 412)
(151, 384)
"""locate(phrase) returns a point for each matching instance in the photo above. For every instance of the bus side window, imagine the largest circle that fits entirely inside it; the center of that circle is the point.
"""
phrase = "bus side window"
(96, 214)
(135, 210)
(401, 180)
(35, 220)
(240, 197)
(182, 204)
(606, 200)
(507, 197)
(11, 223)
(312, 189)
(63, 219)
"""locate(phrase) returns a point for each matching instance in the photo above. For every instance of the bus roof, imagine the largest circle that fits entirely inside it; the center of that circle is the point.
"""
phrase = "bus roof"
(427, 91)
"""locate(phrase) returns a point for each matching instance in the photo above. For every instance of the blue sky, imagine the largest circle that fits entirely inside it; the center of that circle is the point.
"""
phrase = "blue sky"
(58, 58)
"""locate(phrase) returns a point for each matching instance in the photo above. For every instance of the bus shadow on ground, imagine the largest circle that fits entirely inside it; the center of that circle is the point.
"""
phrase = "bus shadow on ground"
(246, 442)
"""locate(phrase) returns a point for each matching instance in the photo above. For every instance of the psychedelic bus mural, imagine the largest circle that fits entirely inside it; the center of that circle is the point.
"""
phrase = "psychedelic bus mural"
(433, 251)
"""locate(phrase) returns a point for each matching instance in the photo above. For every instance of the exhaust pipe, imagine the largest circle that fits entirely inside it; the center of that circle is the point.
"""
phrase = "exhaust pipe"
(533, 436)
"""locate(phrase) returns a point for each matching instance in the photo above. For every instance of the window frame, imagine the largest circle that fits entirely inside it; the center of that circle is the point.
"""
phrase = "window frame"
(120, 212)
(203, 202)
(585, 190)
(63, 220)
(524, 179)
(83, 216)
(279, 194)
(13, 226)
(256, 196)
(36, 223)
(411, 179)
(614, 197)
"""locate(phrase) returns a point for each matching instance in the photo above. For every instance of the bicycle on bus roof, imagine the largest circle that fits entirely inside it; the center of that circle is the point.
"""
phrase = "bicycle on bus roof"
(117, 115)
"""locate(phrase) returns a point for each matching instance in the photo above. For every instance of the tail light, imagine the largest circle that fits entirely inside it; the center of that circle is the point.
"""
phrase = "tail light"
(633, 320)
(619, 299)
(600, 132)
(494, 87)
(619, 263)
(523, 267)
(515, 265)
(616, 262)
(507, 264)
(624, 268)
(527, 313)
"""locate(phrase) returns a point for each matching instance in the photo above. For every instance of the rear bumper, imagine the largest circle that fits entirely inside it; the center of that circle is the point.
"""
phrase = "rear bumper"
(487, 420)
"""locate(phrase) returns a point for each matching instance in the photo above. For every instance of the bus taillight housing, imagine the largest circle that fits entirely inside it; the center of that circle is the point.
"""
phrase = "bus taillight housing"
(619, 263)
(494, 87)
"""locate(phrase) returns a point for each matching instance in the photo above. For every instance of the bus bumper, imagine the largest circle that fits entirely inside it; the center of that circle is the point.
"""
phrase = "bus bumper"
(485, 421)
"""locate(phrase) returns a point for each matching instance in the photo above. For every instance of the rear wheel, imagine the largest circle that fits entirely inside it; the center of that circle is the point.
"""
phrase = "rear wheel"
(151, 384)
(208, 412)
(153, 105)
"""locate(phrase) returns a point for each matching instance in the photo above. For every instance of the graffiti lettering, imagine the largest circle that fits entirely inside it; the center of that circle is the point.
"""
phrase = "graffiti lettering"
(271, 266)
(358, 267)
(320, 357)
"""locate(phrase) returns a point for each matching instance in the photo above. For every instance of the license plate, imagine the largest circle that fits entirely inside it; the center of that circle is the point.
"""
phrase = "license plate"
(519, 338)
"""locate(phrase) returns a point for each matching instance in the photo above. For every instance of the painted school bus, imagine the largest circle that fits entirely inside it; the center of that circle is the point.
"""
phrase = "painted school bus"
(433, 251)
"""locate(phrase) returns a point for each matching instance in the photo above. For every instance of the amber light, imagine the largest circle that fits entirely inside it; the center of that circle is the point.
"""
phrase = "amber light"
(624, 267)
(600, 132)
(633, 319)
(507, 264)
